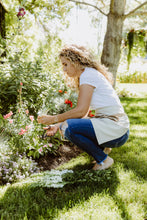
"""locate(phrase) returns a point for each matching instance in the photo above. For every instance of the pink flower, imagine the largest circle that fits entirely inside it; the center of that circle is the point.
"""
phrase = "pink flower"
(34, 140)
(22, 131)
(45, 145)
(8, 115)
(18, 110)
(40, 150)
(21, 83)
(11, 121)
(31, 118)
(28, 127)
(50, 145)
(27, 111)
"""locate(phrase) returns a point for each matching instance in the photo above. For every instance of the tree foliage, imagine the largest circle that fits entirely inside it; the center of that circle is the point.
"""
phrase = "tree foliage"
(116, 13)
(31, 47)
(137, 43)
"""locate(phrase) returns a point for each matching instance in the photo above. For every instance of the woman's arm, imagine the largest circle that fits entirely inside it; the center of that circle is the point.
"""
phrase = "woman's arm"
(83, 104)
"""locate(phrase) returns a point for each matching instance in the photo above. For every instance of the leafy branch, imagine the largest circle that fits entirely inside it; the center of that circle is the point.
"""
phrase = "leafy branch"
(135, 9)
(86, 3)
(133, 12)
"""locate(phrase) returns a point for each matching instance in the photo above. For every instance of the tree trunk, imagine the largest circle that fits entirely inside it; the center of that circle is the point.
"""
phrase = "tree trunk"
(113, 37)
(2, 26)
(2, 21)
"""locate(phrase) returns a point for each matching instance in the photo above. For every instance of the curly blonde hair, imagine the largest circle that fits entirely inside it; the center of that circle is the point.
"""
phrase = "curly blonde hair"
(79, 55)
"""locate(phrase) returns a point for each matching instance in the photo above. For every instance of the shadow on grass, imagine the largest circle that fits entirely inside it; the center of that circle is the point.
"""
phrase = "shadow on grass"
(36, 203)
(26, 202)
(134, 157)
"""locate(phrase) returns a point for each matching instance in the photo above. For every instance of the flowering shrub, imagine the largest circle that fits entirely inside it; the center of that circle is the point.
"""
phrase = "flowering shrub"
(24, 135)
(62, 100)
(24, 132)
(15, 167)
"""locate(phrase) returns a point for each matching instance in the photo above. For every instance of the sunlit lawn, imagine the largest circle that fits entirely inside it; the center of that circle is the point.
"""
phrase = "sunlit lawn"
(118, 193)
(139, 88)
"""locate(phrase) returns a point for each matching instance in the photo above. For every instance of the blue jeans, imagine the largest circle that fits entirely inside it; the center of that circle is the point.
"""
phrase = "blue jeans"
(81, 133)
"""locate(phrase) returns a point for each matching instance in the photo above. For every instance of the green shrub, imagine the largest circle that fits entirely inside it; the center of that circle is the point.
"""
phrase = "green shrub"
(39, 73)
(33, 79)
(126, 93)
(132, 77)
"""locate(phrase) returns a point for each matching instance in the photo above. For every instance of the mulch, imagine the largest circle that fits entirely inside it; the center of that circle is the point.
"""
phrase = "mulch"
(64, 154)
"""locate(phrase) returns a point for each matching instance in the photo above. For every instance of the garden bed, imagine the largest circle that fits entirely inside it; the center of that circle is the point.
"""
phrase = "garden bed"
(63, 155)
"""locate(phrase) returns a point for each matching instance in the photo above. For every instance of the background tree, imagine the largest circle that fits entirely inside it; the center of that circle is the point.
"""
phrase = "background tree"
(2, 21)
(42, 19)
(116, 16)
(3, 11)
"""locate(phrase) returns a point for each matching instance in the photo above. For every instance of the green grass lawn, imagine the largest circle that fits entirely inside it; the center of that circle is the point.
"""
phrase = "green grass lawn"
(114, 194)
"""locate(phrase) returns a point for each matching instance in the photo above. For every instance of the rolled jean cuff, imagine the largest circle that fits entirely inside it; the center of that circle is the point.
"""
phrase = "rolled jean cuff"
(103, 160)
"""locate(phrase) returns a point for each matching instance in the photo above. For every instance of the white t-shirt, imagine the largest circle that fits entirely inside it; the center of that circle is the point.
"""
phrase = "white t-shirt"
(104, 94)
(106, 102)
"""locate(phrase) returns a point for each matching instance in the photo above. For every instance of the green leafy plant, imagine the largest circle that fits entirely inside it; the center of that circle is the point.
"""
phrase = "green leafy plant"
(130, 40)
(136, 42)
(60, 178)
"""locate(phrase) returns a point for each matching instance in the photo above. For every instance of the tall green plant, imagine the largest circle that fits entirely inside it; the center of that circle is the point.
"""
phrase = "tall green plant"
(37, 76)
(136, 42)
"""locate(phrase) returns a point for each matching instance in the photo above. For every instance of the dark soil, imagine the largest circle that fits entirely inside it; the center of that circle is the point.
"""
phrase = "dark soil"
(64, 154)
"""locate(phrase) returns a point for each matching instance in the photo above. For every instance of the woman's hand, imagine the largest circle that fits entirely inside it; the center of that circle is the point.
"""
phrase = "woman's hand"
(51, 130)
(46, 119)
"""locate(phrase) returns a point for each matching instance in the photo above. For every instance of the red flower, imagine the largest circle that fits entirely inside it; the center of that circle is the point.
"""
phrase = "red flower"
(21, 13)
(90, 114)
(21, 9)
(60, 91)
(67, 101)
